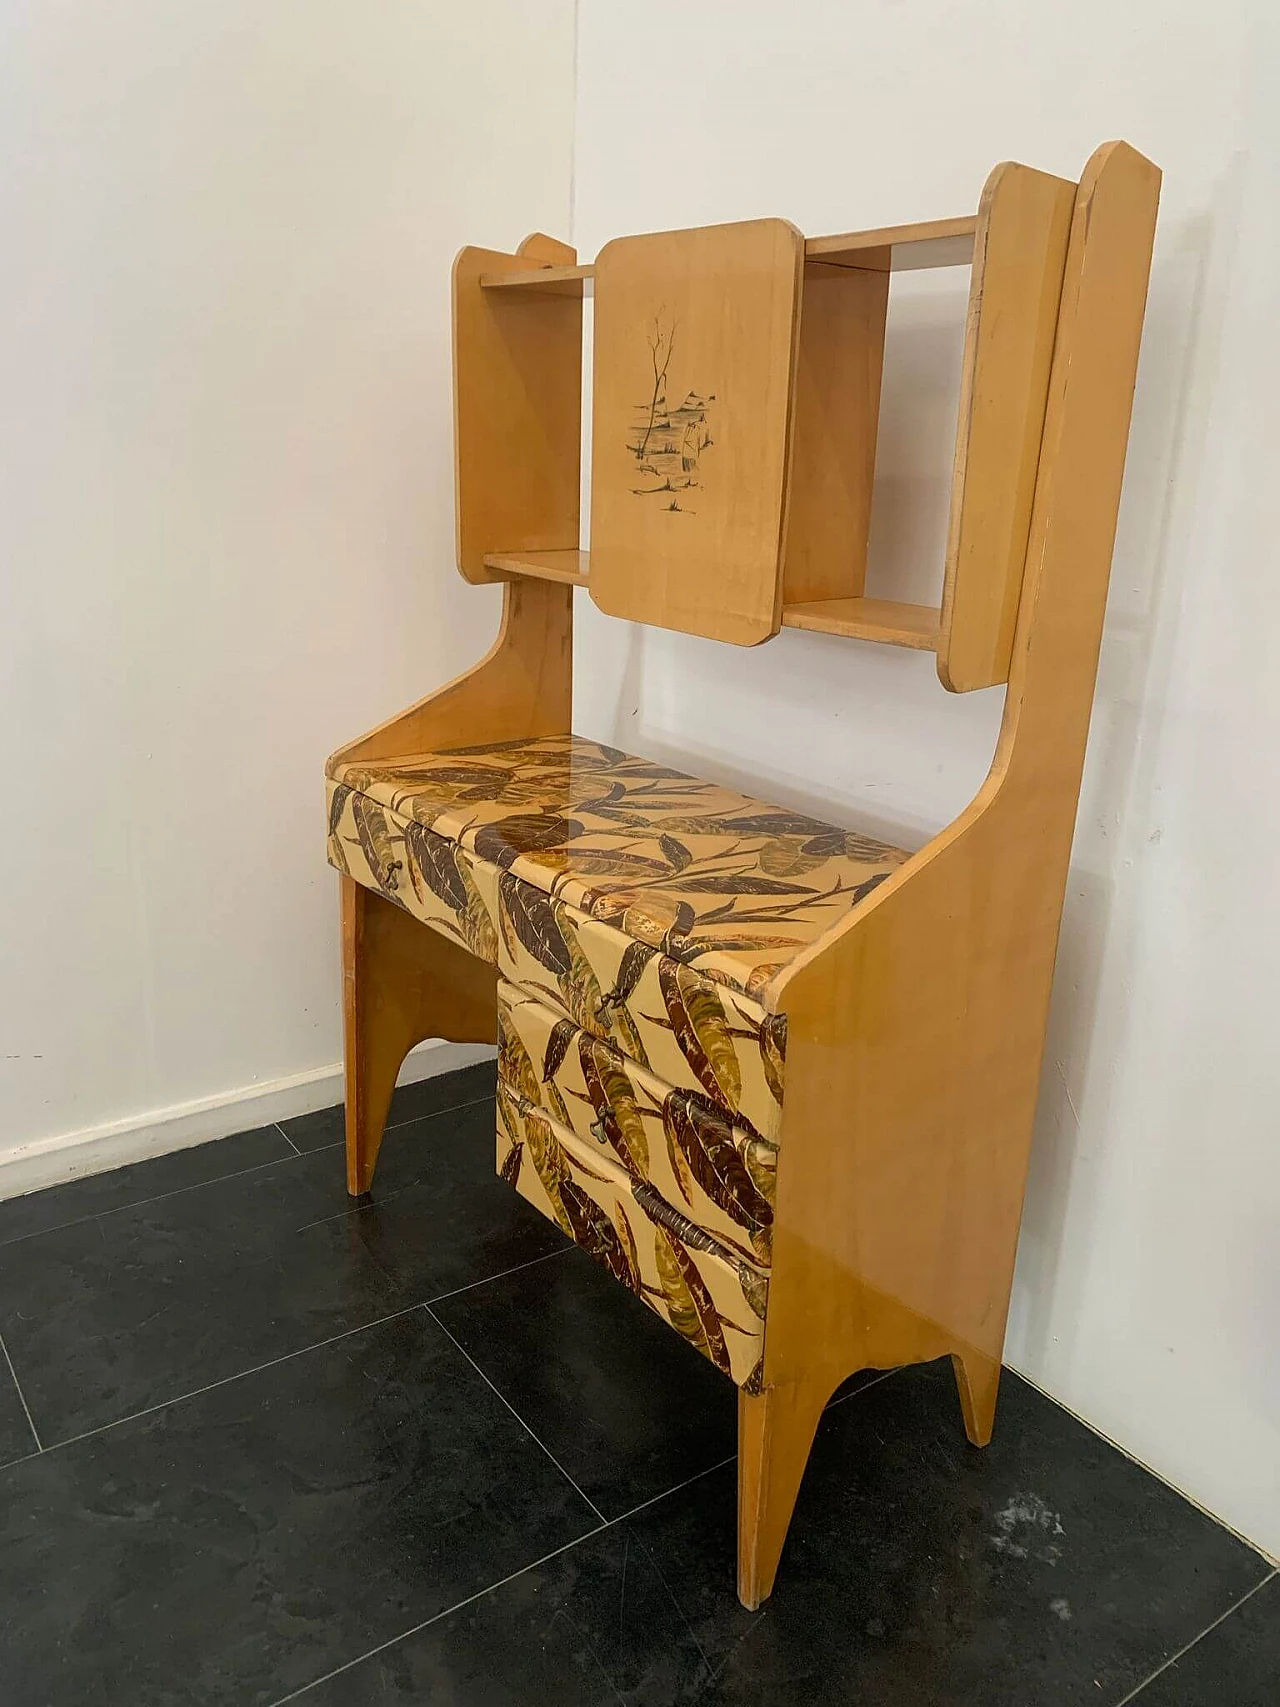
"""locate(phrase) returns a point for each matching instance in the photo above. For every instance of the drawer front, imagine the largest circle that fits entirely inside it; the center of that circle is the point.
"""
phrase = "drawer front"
(689, 1031)
(427, 875)
(710, 1297)
(676, 1023)
(716, 1171)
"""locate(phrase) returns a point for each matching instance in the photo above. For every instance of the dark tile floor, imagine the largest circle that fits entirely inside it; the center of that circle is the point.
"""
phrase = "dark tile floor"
(261, 1446)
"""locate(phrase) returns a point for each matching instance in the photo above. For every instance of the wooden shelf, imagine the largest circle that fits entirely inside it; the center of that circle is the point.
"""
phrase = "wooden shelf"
(885, 620)
(567, 566)
(899, 248)
(540, 281)
(886, 248)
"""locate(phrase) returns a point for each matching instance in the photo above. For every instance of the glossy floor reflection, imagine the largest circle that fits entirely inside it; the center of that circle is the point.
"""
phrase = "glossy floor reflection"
(261, 1446)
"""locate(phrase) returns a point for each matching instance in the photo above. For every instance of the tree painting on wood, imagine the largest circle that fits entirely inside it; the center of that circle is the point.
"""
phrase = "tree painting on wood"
(668, 442)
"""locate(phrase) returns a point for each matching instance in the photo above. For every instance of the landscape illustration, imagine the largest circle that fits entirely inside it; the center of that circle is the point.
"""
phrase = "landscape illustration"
(669, 443)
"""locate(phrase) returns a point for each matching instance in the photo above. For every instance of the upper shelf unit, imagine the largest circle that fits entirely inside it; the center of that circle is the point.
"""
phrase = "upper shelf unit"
(766, 538)
(887, 249)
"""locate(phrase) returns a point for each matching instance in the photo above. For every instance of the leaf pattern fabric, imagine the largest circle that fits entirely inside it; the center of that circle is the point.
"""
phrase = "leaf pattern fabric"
(692, 1032)
(705, 1291)
(715, 1173)
(667, 1018)
(705, 875)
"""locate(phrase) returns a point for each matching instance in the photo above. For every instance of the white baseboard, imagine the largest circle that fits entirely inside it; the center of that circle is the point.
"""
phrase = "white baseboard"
(94, 1149)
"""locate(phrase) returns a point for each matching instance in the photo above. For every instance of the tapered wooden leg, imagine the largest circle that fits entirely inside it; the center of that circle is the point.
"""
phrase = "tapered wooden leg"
(402, 982)
(978, 1378)
(775, 1431)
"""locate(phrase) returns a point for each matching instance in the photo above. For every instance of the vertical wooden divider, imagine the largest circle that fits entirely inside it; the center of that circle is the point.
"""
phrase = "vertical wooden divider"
(517, 407)
(835, 415)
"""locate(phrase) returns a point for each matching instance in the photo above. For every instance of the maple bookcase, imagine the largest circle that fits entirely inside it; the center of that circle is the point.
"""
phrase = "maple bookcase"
(777, 1076)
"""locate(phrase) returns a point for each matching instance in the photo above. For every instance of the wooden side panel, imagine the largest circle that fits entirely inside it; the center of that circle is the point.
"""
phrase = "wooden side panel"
(401, 982)
(836, 412)
(915, 1029)
(523, 687)
(1019, 252)
(695, 344)
(517, 404)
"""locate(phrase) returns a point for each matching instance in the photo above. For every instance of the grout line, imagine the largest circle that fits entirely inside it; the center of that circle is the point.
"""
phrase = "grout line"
(23, 1458)
(285, 1357)
(217, 1179)
(453, 1108)
(430, 1303)
(864, 1388)
(1174, 1658)
(360, 1206)
(480, 1593)
(397, 1126)
(1147, 1469)
(515, 1413)
(445, 1612)
(588, 1535)
(239, 1375)
(142, 1202)
(21, 1396)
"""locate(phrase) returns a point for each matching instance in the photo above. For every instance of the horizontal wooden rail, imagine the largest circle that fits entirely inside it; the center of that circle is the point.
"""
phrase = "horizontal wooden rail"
(569, 567)
(886, 620)
(885, 248)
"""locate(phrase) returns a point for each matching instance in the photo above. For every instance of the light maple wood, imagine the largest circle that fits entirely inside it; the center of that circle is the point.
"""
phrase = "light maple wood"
(833, 436)
(523, 686)
(887, 620)
(916, 1025)
(540, 281)
(775, 1432)
(400, 985)
(542, 251)
(1020, 251)
(702, 558)
(897, 248)
(886, 248)
(517, 405)
(571, 567)
(403, 982)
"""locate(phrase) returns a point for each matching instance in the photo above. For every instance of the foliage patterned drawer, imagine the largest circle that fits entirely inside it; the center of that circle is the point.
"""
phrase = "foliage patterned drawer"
(712, 1298)
(689, 1032)
(428, 875)
(719, 1173)
(716, 879)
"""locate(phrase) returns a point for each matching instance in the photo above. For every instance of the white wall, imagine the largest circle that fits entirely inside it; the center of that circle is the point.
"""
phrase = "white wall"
(226, 524)
(226, 544)
(1148, 1293)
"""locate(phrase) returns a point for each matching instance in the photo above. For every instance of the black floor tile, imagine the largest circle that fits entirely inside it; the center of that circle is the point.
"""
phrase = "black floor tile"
(16, 1438)
(1047, 1569)
(593, 1627)
(79, 1199)
(106, 1317)
(626, 1406)
(1235, 1665)
(233, 1547)
(445, 1090)
(410, 1102)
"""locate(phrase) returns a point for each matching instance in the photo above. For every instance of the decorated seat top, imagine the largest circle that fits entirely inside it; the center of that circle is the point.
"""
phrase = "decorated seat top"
(709, 876)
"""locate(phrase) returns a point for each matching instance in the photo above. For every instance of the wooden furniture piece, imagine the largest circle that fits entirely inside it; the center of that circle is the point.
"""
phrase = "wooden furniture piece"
(778, 1077)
